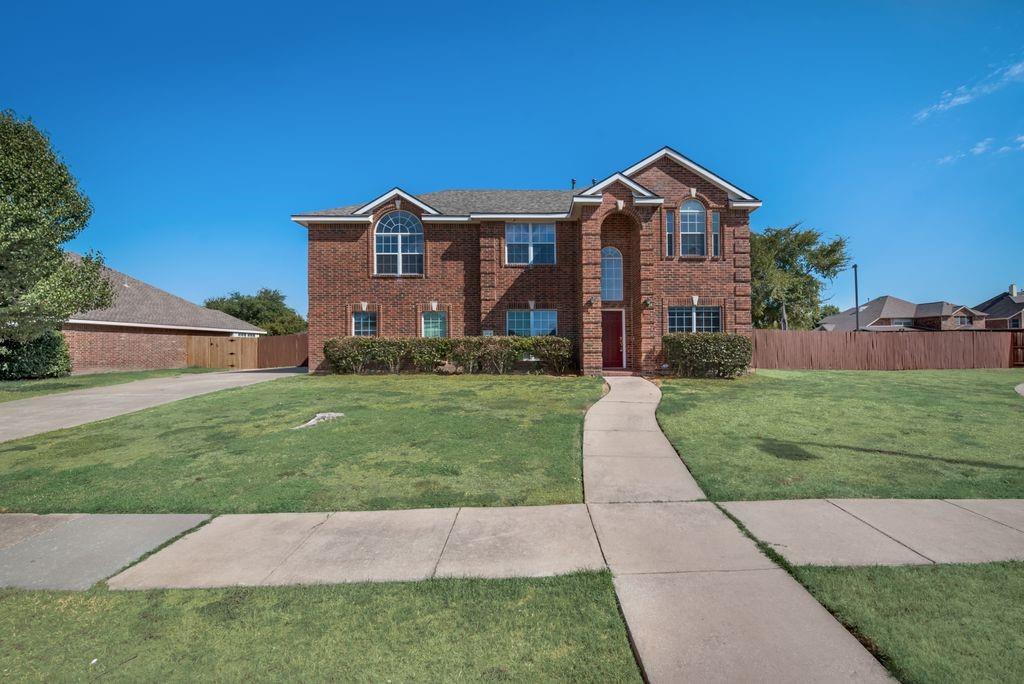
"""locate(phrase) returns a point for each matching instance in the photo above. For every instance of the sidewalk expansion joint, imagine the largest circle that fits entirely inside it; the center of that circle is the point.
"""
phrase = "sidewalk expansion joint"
(882, 532)
(433, 573)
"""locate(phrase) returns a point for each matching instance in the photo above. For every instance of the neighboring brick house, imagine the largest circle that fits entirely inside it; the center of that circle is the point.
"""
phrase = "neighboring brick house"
(889, 313)
(662, 246)
(1005, 310)
(145, 328)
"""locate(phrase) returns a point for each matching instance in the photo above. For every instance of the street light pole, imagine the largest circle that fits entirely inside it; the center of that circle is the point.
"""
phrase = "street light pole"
(856, 297)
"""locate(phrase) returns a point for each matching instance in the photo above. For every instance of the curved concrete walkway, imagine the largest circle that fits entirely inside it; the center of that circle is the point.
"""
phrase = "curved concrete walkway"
(702, 603)
(27, 417)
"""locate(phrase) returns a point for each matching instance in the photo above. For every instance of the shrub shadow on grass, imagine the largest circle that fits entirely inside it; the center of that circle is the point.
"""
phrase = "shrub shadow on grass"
(795, 451)
(789, 451)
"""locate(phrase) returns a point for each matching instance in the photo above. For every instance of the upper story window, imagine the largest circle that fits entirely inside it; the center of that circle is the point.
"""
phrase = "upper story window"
(611, 275)
(716, 234)
(670, 232)
(528, 323)
(903, 322)
(529, 244)
(962, 320)
(399, 244)
(1015, 322)
(692, 229)
(694, 319)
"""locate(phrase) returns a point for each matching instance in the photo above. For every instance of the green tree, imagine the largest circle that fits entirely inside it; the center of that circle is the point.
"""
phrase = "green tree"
(826, 311)
(265, 309)
(41, 208)
(788, 267)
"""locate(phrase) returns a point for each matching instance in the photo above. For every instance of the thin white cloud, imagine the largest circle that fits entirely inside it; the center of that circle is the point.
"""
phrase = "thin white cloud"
(965, 94)
(982, 146)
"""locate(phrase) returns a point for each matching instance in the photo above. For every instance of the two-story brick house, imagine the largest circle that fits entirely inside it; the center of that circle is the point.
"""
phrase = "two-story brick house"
(662, 246)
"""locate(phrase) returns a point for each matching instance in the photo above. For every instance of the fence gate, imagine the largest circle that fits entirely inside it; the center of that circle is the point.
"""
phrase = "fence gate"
(236, 353)
(1017, 348)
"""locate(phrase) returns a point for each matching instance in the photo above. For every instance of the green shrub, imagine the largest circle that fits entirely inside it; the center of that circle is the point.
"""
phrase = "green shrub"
(501, 354)
(554, 353)
(348, 354)
(707, 354)
(466, 353)
(429, 353)
(44, 357)
(388, 353)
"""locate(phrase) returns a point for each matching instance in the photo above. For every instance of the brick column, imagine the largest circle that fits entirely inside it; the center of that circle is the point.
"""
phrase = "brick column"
(590, 289)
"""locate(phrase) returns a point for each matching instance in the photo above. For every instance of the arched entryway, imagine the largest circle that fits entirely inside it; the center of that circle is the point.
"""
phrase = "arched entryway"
(620, 285)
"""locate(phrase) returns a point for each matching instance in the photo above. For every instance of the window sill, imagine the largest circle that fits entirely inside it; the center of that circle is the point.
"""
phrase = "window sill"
(529, 265)
(398, 275)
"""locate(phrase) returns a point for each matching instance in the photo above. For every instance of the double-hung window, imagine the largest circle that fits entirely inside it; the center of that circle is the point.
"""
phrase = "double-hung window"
(692, 229)
(1015, 322)
(694, 319)
(364, 323)
(962, 320)
(716, 234)
(670, 233)
(529, 244)
(528, 323)
(435, 324)
(398, 244)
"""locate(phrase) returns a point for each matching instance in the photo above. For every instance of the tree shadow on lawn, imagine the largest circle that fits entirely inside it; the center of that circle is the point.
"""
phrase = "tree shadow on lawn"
(795, 451)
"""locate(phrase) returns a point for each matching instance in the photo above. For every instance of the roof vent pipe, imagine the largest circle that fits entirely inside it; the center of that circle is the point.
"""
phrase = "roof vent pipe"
(1013, 289)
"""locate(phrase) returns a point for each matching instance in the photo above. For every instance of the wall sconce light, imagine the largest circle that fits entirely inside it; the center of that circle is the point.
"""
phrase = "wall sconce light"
(363, 305)
(433, 306)
(590, 301)
(648, 304)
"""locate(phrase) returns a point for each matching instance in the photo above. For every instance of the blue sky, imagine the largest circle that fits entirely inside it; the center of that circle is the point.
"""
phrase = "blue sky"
(198, 128)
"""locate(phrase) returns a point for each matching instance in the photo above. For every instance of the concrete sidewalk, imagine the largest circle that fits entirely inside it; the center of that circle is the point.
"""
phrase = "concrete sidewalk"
(26, 417)
(76, 551)
(887, 531)
(702, 603)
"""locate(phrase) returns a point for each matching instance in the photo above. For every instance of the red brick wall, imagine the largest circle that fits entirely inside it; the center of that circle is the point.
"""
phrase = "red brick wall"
(465, 272)
(104, 347)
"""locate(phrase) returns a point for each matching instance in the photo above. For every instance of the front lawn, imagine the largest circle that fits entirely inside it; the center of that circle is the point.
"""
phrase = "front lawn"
(806, 434)
(406, 441)
(553, 629)
(11, 390)
(943, 623)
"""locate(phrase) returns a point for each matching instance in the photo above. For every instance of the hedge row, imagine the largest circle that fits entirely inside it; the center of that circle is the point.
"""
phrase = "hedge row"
(430, 354)
(719, 355)
(44, 357)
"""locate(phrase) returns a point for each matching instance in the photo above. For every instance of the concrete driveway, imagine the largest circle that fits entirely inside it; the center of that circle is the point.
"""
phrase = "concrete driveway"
(27, 417)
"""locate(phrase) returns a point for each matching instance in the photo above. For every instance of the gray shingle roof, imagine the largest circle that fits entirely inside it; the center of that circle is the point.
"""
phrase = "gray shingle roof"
(1002, 305)
(890, 307)
(139, 302)
(463, 202)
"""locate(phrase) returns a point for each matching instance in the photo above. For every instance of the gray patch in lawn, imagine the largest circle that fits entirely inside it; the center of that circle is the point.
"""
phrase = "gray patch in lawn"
(319, 418)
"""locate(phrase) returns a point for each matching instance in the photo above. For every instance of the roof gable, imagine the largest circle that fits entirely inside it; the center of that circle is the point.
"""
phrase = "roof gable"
(744, 197)
(621, 178)
(392, 194)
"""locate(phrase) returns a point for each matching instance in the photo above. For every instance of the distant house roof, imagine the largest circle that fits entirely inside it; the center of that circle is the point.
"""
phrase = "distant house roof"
(1003, 305)
(465, 202)
(889, 307)
(139, 304)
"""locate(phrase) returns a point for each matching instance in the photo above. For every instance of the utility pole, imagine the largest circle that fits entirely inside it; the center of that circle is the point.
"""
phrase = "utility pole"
(856, 297)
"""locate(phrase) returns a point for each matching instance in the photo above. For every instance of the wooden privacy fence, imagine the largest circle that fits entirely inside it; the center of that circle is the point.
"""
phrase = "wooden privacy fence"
(1017, 348)
(904, 350)
(241, 353)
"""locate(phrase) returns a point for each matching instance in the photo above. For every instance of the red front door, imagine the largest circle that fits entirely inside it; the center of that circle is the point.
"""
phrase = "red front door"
(611, 339)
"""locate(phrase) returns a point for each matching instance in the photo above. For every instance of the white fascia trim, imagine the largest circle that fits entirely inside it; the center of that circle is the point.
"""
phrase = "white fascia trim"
(396, 192)
(693, 166)
(446, 219)
(306, 220)
(525, 217)
(580, 199)
(648, 200)
(161, 326)
(744, 204)
(622, 178)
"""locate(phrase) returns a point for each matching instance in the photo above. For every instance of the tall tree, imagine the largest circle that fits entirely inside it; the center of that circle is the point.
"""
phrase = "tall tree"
(265, 309)
(788, 268)
(41, 208)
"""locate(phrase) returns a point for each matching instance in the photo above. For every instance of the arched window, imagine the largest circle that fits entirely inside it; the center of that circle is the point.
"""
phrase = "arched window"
(611, 275)
(399, 244)
(693, 225)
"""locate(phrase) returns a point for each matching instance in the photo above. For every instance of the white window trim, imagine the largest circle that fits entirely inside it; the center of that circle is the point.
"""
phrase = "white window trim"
(705, 232)
(423, 323)
(622, 276)
(423, 253)
(531, 312)
(905, 323)
(376, 315)
(693, 316)
(531, 224)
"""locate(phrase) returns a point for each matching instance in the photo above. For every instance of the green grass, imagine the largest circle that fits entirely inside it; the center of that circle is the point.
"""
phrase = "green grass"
(944, 623)
(806, 434)
(553, 629)
(11, 390)
(406, 441)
